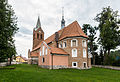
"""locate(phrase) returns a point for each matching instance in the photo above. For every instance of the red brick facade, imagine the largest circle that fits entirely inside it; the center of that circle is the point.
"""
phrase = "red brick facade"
(71, 52)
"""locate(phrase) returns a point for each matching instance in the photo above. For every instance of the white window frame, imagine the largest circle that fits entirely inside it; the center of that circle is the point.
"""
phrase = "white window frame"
(73, 64)
(46, 51)
(72, 42)
(40, 52)
(74, 55)
(64, 44)
(84, 43)
(84, 53)
(43, 50)
(60, 45)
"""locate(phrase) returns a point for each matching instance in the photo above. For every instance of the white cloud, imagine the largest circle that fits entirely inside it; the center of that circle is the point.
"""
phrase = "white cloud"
(27, 12)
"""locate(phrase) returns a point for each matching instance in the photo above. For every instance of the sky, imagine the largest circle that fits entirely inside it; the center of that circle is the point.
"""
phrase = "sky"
(50, 12)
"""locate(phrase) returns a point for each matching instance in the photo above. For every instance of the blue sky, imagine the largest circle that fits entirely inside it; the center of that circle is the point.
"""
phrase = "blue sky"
(27, 11)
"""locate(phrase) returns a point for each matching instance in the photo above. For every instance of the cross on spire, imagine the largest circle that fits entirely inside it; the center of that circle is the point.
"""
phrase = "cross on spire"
(62, 21)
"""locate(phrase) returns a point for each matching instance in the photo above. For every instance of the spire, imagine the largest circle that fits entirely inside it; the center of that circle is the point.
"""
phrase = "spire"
(62, 21)
(38, 25)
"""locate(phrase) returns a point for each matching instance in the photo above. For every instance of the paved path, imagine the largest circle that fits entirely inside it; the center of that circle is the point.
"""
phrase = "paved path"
(108, 67)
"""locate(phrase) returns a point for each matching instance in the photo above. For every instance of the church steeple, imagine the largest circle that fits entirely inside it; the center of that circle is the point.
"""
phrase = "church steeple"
(38, 25)
(38, 34)
(62, 21)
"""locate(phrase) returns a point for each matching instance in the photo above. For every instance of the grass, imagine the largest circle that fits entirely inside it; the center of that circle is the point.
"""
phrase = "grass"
(33, 73)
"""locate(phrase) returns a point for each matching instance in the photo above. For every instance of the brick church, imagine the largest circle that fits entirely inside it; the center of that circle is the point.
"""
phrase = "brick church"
(66, 48)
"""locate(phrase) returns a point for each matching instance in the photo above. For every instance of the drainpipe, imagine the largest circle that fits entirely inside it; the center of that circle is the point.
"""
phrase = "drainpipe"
(52, 60)
(87, 58)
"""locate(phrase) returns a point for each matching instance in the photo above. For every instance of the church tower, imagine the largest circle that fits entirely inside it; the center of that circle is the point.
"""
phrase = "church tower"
(62, 21)
(38, 34)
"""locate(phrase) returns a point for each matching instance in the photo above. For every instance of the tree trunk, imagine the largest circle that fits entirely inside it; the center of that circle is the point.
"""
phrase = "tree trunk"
(104, 57)
(108, 52)
(10, 61)
(93, 59)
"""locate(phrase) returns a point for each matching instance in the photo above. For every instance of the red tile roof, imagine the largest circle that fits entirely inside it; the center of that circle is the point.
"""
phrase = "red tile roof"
(58, 51)
(71, 30)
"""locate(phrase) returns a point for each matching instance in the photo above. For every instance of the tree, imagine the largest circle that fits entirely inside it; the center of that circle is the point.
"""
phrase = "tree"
(8, 28)
(109, 29)
(91, 32)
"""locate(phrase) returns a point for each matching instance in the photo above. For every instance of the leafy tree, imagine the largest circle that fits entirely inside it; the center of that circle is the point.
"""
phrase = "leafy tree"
(108, 26)
(92, 46)
(8, 28)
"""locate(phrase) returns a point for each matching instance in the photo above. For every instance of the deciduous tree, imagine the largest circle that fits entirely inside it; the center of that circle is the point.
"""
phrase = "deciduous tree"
(109, 29)
(8, 28)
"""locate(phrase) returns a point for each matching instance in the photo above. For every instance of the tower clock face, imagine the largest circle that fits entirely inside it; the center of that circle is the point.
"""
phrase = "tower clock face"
(39, 31)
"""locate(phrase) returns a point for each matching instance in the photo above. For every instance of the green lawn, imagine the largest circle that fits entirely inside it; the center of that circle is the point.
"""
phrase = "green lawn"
(32, 73)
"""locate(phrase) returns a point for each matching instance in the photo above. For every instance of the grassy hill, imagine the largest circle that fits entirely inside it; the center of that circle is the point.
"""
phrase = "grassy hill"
(33, 73)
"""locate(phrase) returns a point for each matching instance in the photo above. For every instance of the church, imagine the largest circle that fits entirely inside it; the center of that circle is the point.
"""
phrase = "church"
(66, 48)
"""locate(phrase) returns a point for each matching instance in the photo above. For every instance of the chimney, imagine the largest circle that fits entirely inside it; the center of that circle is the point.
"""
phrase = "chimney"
(56, 38)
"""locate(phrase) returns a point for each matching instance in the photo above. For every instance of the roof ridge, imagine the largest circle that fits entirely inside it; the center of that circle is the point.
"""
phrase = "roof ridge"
(77, 28)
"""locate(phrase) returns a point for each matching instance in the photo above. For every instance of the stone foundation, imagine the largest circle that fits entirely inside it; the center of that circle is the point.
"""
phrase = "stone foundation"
(61, 67)
(53, 67)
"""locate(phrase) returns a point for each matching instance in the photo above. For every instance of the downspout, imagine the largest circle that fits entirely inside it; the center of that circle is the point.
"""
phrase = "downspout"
(52, 60)
(87, 58)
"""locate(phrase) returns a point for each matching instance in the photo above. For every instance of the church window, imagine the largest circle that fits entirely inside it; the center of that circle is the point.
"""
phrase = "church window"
(37, 36)
(41, 36)
(64, 44)
(43, 60)
(74, 52)
(40, 52)
(74, 43)
(84, 43)
(74, 64)
(84, 53)
(60, 45)
(43, 50)
(46, 51)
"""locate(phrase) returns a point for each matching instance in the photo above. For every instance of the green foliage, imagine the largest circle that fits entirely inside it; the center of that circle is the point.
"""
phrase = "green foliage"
(116, 57)
(8, 27)
(112, 59)
(91, 33)
(109, 28)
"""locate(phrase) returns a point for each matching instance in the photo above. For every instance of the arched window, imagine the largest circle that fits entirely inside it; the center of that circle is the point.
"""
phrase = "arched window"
(74, 52)
(41, 36)
(60, 45)
(84, 53)
(40, 52)
(64, 44)
(74, 42)
(46, 51)
(43, 50)
(37, 35)
(43, 60)
(84, 43)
